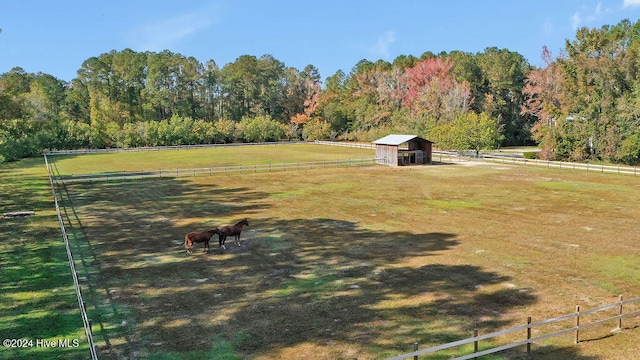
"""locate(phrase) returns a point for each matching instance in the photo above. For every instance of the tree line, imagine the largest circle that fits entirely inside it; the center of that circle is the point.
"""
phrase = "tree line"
(580, 105)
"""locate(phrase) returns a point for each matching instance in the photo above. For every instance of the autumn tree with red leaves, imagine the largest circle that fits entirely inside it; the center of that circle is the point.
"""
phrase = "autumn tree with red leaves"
(543, 100)
(433, 94)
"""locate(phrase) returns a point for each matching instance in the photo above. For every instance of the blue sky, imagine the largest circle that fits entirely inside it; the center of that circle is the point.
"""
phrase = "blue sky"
(55, 37)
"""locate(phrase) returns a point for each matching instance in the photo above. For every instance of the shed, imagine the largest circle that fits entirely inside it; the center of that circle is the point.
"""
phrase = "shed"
(401, 150)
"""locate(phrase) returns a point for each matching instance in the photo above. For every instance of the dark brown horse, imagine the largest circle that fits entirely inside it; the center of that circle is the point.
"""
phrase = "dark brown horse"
(197, 237)
(234, 230)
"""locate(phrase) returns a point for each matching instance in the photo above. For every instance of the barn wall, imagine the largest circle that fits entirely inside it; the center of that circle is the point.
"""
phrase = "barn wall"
(387, 155)
(425, 146)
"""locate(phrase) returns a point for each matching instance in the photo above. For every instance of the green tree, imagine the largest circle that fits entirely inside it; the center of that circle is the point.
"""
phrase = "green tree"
(13, 86)
(316, 130)
(332, 103)
(478, 131)
(45, 97)
(504, 74)
(225, 131)
(630, 149)
(261, 128)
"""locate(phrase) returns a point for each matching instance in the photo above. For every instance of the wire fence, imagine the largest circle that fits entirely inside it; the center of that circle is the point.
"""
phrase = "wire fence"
(72, 265)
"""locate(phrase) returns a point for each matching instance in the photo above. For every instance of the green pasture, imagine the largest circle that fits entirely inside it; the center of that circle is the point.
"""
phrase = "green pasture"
(343, 262)
(37, 298)
(203, 158)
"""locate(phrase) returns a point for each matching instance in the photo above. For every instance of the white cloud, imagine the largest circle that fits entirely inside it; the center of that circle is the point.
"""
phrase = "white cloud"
(164, 34)
(628, 3)
(586, 16)
(381, 48)
(576, 20)
(547, 27)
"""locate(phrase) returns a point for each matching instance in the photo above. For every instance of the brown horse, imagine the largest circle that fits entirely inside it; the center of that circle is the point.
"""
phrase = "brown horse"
(234, 230)
(197, 237)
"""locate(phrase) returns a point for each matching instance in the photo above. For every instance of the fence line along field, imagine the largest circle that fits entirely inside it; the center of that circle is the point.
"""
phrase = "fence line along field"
(201, 158)
(347, 262)
(38, 304)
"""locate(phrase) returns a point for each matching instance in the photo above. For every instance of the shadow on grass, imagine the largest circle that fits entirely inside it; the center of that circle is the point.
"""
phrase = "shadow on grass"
(344, 290)
(37, 298)
(133, 218)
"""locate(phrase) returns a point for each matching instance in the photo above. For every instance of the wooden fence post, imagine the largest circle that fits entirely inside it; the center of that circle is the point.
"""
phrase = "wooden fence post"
(577, 323)
(528, 335)
(620, 314)
(415, 348)
(475, 343)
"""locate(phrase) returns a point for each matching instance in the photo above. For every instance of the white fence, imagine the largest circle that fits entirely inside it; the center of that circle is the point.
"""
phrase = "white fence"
(438, 155)
(526, 329)
(81, 303)
(160, 148)
(445, 156)
(359, 145)
(617, 169)
(210, 171)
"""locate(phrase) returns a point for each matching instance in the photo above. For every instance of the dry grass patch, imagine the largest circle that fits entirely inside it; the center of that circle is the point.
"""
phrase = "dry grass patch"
(363, 262)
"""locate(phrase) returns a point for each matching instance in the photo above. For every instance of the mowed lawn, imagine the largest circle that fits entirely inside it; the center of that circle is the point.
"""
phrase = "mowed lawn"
(203, 158)
(349, 262)
(37, 298)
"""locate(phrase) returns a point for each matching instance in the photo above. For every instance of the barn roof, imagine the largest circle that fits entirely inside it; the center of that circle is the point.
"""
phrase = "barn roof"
(395, 139)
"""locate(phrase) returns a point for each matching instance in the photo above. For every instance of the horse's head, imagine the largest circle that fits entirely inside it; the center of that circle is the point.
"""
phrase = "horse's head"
(215, 230)
(244, 222)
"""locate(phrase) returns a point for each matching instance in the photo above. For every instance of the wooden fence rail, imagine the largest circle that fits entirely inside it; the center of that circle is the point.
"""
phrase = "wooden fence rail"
(123, 175)
(526, 329)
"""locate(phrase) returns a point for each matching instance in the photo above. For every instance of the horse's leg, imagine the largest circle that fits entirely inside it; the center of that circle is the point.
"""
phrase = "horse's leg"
(221, 239)
(206, 246)
(238, 239)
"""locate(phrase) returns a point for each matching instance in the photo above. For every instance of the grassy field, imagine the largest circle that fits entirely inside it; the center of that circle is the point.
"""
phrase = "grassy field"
(349, 262)
(202, 158)
(37, 299)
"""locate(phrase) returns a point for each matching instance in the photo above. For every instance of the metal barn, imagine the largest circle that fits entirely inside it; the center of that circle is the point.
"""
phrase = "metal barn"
(402, 150)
